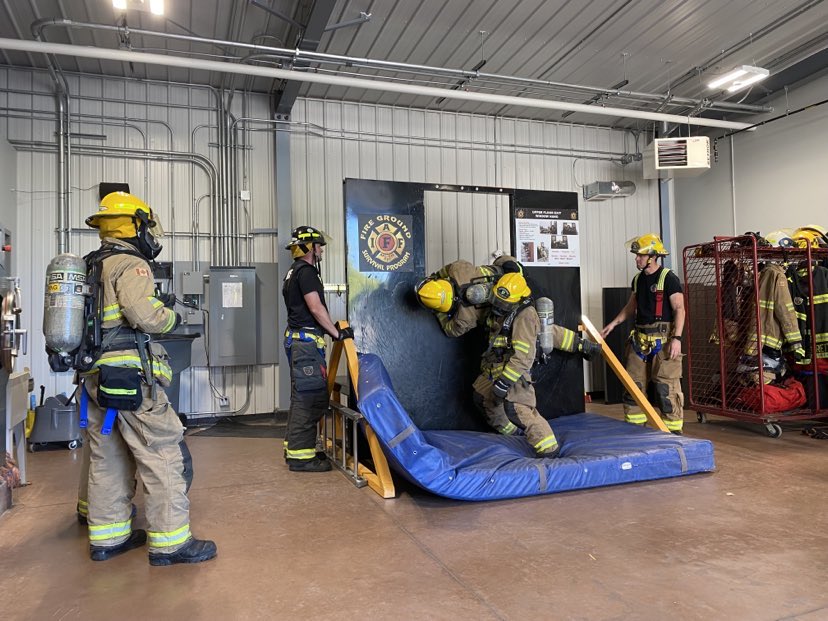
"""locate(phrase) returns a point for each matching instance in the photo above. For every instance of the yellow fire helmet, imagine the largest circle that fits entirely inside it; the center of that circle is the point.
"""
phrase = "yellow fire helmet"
(812, 234)
(436, 294)
(783, 238)
(510, 291)
(649, 243)
(121, 215)
(303, 238)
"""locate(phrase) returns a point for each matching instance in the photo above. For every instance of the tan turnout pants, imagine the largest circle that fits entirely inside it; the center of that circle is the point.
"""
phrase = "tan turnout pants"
(666, 376)
(517, 410)
(146, 439)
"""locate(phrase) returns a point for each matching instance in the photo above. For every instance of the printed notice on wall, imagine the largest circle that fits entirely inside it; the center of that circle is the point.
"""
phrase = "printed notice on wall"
(548, 237)
(231, 295)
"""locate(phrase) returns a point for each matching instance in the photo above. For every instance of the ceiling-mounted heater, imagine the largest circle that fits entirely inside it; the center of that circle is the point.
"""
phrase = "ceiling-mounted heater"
(605, 190)
(677, 157)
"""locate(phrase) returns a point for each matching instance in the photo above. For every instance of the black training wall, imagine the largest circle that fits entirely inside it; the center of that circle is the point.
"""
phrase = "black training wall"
(431, 373)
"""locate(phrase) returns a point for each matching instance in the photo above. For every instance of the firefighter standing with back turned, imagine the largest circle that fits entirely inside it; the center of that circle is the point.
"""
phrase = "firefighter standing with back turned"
(654, 348)
(308, 321)
(131, 424)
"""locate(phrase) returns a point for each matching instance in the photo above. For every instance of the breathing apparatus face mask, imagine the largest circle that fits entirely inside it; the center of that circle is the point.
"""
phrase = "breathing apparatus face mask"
(149, 233)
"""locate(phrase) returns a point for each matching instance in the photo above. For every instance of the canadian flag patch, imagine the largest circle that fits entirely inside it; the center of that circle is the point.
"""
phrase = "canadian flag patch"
(142, 271)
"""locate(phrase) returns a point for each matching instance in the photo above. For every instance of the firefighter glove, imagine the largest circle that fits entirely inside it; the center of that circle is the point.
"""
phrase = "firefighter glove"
(167, 298)
(500, 389)
(345, 333)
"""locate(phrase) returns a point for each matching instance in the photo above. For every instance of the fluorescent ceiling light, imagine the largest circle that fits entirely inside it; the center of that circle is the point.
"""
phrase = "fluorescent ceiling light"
(739, 78)
(156, 7)
(740, 84)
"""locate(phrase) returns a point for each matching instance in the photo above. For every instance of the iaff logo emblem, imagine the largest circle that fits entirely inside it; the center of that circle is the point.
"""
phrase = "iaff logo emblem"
(384, 243)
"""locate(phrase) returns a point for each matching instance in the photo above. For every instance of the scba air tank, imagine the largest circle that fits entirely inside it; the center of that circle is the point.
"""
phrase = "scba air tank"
(63, 304)
(546, 313)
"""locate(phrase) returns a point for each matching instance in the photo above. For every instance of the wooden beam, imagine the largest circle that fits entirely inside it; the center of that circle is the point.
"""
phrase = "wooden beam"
(626, 380)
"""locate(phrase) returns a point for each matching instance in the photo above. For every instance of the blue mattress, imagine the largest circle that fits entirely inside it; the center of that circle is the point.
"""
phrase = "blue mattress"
(471, 465)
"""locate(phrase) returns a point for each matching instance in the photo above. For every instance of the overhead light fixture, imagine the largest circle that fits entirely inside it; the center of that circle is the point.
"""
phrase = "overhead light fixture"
(739, 78)
(156, 7)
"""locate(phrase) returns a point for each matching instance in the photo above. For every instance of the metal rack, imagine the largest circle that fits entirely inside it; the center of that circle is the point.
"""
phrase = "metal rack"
(724, 330)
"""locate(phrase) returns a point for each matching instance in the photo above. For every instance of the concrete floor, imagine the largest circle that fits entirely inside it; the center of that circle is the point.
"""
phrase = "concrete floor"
(746, 542)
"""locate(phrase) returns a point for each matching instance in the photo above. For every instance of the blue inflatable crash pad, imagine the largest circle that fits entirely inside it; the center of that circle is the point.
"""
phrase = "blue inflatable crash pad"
(472, 465)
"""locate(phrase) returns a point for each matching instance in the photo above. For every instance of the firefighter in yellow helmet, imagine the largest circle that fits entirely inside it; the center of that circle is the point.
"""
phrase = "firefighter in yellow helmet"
(503, 390)
(308, 321)
(130, 422)
(459, 293)
(654, 348)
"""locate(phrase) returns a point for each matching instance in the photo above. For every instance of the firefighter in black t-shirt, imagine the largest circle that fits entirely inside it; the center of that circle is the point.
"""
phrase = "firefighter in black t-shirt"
(308, 321)
(654, 348)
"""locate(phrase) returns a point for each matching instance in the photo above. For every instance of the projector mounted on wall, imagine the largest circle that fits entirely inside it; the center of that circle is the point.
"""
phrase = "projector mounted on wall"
(605, 190)
(677, 157)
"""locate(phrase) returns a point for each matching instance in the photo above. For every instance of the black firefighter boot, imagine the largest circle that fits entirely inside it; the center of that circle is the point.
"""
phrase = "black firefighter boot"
(195, 551)
(101, 553)
(316, 464)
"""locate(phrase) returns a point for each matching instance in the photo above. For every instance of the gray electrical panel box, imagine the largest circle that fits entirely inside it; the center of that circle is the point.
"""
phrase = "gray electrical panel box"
(268, 298)
(233, 316)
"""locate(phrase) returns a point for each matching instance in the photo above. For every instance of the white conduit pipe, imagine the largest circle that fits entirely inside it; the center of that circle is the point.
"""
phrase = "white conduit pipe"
(348, 82)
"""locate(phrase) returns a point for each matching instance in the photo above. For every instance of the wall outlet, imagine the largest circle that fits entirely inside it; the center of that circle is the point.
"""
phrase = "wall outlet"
(224, 401)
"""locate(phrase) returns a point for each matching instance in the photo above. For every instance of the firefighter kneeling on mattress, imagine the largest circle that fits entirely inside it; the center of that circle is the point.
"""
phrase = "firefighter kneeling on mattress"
(131, 424)
(654, 348)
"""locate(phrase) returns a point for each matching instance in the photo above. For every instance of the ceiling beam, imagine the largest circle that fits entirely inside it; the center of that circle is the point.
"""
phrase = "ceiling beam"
(350, 82)
(308, 42)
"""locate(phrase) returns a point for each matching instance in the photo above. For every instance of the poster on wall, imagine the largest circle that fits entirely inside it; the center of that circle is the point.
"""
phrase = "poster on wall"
(547, 237)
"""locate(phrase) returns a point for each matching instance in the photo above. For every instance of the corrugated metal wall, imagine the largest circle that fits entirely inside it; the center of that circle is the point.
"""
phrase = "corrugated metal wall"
(141, 117)
(330, 141)
(381, 142)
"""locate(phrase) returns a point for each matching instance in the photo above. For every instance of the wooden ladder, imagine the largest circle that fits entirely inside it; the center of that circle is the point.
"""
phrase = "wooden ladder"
(340, 418)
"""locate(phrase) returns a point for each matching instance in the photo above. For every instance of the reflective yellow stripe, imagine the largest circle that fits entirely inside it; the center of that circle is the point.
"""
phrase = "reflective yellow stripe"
(821, 299)
(154, 301)
(508, 429)
(771, 341)
(789, 306)
(793, 336)
(118, 391)
(802, 316)
(635, 282)
(568, 339)
(170, 323)
(159, 539)
(510, 374)
(320, 342)
(673, 425)
(134, 362)
(110, 531)
(301, 453)
(113, 311)
(486, 271)
(546, 443)
(661, 279)
(766, 304)
(636, 419)
(521, 346)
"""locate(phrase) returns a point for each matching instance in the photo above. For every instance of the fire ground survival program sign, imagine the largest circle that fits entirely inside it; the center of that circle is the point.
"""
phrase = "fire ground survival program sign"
(384, 242)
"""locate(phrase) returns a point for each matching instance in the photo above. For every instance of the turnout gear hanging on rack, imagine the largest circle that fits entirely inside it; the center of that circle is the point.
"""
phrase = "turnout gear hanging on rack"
(778, 321)
(503, 390)
(801, 297)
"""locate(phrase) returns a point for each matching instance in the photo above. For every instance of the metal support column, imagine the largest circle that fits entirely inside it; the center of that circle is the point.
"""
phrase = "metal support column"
(284, 222)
